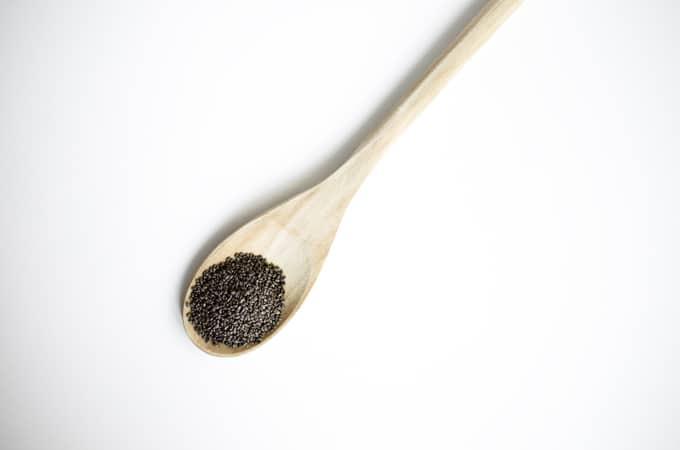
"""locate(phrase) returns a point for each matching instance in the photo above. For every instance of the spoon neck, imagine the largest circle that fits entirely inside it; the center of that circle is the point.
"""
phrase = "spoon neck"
(351, 175)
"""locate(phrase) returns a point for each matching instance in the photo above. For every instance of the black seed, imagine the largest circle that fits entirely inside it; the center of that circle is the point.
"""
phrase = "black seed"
(238, 301)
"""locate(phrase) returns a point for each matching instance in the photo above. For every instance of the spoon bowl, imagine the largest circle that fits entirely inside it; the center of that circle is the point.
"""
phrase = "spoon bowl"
(280, 236)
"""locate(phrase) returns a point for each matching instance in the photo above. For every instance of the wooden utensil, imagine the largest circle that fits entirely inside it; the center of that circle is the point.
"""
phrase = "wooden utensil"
(297, 234)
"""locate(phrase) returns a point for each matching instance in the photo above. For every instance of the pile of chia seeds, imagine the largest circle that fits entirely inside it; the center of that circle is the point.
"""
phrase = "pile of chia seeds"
(238, 301)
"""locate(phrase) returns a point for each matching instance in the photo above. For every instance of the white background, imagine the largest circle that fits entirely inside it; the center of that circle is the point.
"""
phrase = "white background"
(508, 278)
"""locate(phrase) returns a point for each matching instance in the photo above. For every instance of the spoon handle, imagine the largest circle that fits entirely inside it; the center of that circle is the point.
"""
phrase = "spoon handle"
(463, 46)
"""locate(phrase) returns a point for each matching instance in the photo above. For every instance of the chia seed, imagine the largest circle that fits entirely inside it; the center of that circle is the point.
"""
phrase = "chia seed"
(238, 301)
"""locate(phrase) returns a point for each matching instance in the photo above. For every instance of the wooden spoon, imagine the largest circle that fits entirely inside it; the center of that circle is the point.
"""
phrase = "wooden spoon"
(297, 234)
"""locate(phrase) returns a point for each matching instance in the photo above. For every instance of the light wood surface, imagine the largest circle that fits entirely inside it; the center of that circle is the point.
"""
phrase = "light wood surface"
(297, 234)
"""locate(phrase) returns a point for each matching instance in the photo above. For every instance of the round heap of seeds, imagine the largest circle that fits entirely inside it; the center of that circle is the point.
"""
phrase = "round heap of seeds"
(238, 301)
